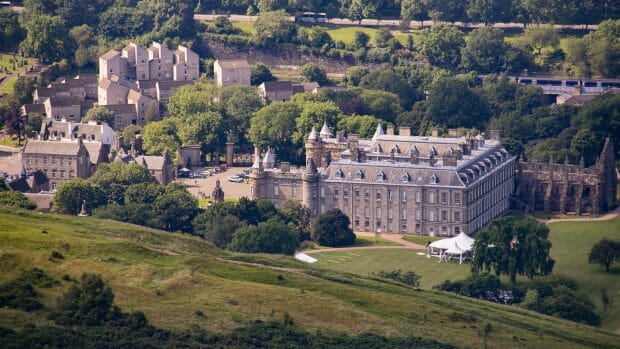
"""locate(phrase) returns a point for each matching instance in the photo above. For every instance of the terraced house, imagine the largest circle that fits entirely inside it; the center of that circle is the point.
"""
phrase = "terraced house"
(396, 183)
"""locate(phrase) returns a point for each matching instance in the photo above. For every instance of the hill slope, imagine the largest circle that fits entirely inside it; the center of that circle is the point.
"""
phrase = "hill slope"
(170, 277)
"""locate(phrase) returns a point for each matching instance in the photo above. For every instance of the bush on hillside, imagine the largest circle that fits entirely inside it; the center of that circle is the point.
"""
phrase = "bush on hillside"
(16, 199)
(273, 236)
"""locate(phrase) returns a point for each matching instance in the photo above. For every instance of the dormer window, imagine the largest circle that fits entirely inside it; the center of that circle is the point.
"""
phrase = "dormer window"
(396, 149)
(339, 174)
(377, 148)
(432, 151)
(434, 179)
(381, 176)
(414, 150)
(406, 178)
(359, 175)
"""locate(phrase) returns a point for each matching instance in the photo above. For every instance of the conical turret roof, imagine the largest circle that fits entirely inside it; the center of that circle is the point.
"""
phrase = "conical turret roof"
(325, 131)
(314, 136)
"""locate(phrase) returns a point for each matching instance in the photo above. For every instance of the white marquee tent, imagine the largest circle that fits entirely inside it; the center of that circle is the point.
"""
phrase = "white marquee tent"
(460, 246)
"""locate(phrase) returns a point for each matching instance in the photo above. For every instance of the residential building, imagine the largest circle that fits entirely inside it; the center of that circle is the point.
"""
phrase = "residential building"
(52, 130)
(230, 72)
(186, 66)
(60, 161)
(273, 91)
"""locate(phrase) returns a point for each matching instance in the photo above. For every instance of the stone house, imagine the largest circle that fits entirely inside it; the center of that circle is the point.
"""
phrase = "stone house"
(186, 66)
(230, 72)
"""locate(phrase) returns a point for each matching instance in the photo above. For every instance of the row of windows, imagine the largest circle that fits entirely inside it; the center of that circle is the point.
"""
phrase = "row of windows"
(430, 214)
(57, 173)
(51, 159)
(416, 228)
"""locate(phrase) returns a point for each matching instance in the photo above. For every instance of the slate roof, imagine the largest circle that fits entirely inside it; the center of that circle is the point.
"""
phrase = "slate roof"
(51, 147)
(25, 184)
(34, 108)
(63, 102)
(109, 55)
(234, 63)
(121, 109)
(96, 152)
(152, 162)
(278, 86)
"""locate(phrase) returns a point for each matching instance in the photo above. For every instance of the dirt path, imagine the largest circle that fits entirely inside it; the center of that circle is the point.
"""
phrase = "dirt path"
(608, 216)
(397, 238)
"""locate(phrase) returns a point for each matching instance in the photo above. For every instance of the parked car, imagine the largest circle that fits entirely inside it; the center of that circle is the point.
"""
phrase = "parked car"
(199, 175)
(242, 175)
(235, 179)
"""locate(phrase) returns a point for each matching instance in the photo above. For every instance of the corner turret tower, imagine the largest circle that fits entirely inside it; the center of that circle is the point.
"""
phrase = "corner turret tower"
(256, 176)
(310, 187)
(314, 147)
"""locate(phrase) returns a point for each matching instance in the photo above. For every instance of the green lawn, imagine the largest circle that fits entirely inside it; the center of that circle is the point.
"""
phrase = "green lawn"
(571, 243)
(347, 34)
(366, 262)
(171, 276)
(247, 27)
(420, 240)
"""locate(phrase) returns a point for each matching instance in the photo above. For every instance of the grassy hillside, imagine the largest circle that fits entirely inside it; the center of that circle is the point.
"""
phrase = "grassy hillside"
(170, 277)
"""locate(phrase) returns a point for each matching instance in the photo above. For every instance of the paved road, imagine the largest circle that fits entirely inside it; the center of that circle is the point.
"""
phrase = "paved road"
(206, 185)
(607, 216)
(383, 22)
(396, 23)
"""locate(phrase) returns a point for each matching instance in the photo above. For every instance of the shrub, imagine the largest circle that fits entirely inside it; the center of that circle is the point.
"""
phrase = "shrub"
(273, 236)
(19, 294)
(409, 278)
(16, 199)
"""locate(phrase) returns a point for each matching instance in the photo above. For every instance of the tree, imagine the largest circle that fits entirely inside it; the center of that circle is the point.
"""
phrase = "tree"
(22, 90)
(353, 75)
(273, 126)
(605, 253)
(217, 229)
(585, 143)
(381, 104)
(143, 193)
(206, 129)
(240, 102)
(11, 32)
(83, 35)
(314, 114)
(441, 45)
(313, 72)
(388, 80)
(356, 10)
(261, 73)
(451, 103)
(514, 246)
(114, 178)
(273, 27)
(15, 199)
(362, 125)
(46, 38)
(174, 210)
(489, 11)
(412, 10)
(360, 39)
(100, 115)
(298, 215)
(193, 99)
(331, 228)
(446, 10)
(273, 236)
(486, 51)
(161, 136)
(541, 37)
(70, 195)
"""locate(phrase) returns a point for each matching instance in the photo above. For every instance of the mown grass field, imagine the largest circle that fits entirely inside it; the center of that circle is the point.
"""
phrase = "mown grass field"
(571, 243)
(171, 276)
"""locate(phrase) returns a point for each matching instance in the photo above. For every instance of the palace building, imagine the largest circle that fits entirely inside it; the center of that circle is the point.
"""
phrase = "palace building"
(396, 183)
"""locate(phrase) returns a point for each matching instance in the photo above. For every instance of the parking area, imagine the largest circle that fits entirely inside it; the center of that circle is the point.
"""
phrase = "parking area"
(206, 185)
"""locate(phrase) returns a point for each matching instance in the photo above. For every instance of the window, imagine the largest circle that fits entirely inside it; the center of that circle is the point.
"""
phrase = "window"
(457, 230)
(357, 193)
(70, 174)
(444, 198)
(336, 193)
(54, 173)
(359, 175)
(389, 226)
(356, 209)
(434, 179)
(406, 178)
(378, 195)
(457, 198)
(403, 214)
(403, 195)
(457, 216)
(390, 194)
(339, 174)
(322, 208)
(345, 193)
(366, 193)
(418, 215)
(444, 216)
(418, 196)
(45, 160)
(28, 160)
(322, 191)
(366, 211)
(294, 191)
(378, 213)
(345, 210)
(431, 215)
(381, 176)
(53, 160)
(431, 197)
(389, 213)
(444, 231)
(62, 173)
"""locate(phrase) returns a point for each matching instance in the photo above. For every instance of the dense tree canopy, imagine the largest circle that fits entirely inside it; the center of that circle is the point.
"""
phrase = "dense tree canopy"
(331, 228)
(272, 236)
(605, 253)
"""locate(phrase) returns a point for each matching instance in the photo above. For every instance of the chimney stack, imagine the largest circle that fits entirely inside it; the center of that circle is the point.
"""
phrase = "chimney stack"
(390, 131)
(435, 132)
(404, 131)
